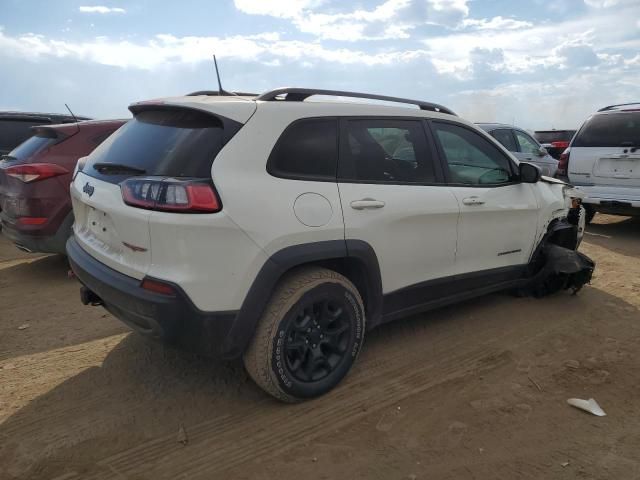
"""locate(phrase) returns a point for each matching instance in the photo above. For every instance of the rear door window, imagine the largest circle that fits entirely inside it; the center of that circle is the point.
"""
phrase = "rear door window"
(308, 149)
(505, 137)
(162, 142)
(386, 151)
(610, 130)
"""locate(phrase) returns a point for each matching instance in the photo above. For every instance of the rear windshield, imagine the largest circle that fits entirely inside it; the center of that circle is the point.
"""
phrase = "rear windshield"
(30, 147)
(610, 130)
(173, 143)
(555, 136)
(14, 132)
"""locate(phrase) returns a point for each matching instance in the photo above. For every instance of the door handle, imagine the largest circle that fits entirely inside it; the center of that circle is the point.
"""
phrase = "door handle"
(366, 203)
(473, 201)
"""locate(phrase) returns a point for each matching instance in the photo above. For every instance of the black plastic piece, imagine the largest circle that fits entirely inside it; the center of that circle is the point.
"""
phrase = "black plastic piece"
(216, 93)
(300, 94)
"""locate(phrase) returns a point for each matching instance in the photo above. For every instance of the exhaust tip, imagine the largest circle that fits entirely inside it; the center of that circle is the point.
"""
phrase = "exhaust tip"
(87, 297)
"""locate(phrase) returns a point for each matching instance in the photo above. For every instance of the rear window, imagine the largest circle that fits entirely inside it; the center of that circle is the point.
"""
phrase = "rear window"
(307, 149)
(610, 130)
(166, 142)
(555, 136)
(31, 146)
(14, 132)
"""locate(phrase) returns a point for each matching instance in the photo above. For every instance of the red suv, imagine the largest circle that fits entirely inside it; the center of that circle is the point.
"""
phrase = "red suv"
(35, 207)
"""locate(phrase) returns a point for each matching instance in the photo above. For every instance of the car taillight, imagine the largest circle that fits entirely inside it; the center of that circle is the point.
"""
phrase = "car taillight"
(559, 144)
(171, 195)
(157, 286)
(34, 172)
(563, 164)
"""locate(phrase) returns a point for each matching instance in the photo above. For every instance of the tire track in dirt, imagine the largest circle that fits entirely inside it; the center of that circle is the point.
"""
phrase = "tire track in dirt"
(219, 449)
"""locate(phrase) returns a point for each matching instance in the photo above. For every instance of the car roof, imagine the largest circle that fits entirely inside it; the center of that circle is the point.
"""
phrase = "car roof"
(15, 115)
(494, 126)
(240, 107)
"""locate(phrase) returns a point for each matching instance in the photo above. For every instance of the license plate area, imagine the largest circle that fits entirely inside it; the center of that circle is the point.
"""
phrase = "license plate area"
(622, 168)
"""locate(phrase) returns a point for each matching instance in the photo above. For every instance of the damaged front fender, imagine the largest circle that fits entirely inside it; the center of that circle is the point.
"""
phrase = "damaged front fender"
(556, 264)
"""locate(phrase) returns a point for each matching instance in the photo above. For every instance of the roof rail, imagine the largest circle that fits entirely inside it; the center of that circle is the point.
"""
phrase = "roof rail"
(612, 107)
(301, 94)
(216, 93)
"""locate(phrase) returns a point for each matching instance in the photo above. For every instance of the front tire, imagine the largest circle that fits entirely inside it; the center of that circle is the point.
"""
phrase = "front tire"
(309, 335)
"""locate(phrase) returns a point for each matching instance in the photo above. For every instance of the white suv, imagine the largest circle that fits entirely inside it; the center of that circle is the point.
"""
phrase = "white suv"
(603, 160)
(282, 229)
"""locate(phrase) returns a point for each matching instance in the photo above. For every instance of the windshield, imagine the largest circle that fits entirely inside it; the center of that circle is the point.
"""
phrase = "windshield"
(176, 143)
(610, 130)
(30, 147)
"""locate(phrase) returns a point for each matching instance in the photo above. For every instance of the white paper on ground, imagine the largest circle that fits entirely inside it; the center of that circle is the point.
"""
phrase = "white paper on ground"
(590, 406)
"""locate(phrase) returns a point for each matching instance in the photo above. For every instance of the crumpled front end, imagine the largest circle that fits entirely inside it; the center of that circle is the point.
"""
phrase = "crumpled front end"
(557, 264)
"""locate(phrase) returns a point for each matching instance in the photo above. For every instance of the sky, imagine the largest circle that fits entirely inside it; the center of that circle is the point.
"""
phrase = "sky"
(537, 64)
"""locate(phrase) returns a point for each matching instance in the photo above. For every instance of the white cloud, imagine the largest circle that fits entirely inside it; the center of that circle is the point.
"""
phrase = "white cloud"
(164, 50)
(390, 19)
(495, 23)
(101, 9)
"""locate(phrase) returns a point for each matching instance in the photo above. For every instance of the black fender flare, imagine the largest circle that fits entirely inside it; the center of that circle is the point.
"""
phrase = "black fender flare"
(357, 251)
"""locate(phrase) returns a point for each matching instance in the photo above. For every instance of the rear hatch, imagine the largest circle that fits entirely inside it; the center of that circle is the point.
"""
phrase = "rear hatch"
(606, 151)
(162, 144)
(11, 187)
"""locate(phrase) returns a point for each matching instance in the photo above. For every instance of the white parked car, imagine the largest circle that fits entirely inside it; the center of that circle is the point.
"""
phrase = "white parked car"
(281, 229)
(603, 160)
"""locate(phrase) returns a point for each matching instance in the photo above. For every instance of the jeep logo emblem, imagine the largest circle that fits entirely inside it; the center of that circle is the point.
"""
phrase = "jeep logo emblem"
(88, 189)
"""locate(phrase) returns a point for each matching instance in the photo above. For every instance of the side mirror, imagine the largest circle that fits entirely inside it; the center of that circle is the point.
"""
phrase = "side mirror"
(542, 152)
(529, 173)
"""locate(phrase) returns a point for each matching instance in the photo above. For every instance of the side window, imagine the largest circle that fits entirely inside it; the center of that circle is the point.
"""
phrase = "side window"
(307, 149)
(393, 151)
(505, 137)
(527, 144)
(471, 158)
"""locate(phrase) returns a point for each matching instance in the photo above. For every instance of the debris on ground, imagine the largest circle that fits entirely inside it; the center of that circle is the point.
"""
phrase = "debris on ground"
(24, 326)
(564, 464)
(182, 436)
(590, 406)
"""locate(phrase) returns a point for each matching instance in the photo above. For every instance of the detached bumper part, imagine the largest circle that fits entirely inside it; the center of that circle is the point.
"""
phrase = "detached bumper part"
(563, 269)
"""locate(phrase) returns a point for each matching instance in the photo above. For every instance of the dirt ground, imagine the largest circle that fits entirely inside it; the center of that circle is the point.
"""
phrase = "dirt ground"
(473, 391)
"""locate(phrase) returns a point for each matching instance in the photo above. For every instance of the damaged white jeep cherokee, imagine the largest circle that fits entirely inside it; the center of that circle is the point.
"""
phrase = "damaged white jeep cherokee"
(282, 230)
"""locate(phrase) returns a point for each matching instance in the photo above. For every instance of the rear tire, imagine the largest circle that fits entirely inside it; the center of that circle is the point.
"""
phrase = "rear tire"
(309, 335)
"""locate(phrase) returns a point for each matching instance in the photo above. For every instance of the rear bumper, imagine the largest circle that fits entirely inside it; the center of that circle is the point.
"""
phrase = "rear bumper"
(171, 319)
(616, 200)
(33, 240)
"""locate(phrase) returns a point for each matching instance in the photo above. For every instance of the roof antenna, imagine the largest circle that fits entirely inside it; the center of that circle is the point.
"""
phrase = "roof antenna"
(75, 119)
(221, 91)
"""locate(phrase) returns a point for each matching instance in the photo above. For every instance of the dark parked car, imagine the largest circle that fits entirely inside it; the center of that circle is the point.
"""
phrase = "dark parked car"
(15, 127)
(555, 141)
(35, 207)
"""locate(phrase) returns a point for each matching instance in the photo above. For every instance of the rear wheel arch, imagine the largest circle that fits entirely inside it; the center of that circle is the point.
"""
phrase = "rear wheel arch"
(354, 259)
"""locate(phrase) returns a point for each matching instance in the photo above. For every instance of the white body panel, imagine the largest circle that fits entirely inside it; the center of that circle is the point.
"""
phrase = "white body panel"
(413, 234)
(104, 223)
(497, 226)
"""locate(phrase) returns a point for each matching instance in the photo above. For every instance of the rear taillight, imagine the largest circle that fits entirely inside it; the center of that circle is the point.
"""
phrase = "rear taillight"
(79, 166)
(157, 286)
(559, 144)
(32, 220)
(563, 164)
(171, 195)
(34, 172)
